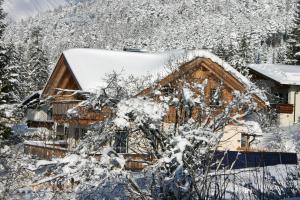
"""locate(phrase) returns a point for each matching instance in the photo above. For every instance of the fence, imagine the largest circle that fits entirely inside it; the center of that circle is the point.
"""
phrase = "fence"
(135, 162)
(44, 151)
(138, 161)
(254, 159)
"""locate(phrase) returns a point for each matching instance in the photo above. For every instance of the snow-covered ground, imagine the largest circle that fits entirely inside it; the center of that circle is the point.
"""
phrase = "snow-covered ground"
(82, 177)
(92, 181)
(281, 139)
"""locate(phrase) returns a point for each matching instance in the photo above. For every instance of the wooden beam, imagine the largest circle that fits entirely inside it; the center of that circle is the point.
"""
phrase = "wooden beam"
(65, 79)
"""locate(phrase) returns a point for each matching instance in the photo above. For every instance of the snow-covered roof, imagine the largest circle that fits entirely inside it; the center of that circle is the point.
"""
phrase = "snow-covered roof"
(31, 99)
(90, 66)
(284, 74)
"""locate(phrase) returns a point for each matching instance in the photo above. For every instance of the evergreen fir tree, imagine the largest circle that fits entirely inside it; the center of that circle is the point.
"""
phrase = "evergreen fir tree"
(4, 97)
(19, 58)
(225, 53)
(10, 78)
(9, 93)
(239, 56)
(243, 56)
(9, 81)
(37, 62)
(293, 53)
(4, 60)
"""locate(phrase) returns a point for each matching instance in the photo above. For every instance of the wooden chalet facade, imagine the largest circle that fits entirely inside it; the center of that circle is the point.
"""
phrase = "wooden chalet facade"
(68, 76)
(61, 86)
(196, 71)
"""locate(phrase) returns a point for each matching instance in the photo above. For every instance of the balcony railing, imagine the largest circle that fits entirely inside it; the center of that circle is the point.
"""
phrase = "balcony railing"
(283, 108)
(60, 113)
(62, 108)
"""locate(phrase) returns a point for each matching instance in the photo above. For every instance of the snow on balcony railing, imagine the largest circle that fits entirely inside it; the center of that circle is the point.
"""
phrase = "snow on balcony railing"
(47, 144)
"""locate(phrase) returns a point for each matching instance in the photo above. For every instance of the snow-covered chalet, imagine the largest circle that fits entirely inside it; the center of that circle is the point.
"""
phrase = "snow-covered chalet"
(84, 70)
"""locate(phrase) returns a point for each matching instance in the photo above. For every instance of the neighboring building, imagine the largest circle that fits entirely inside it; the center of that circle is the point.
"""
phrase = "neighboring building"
(282, 83)
(84, 70)
(37, 114)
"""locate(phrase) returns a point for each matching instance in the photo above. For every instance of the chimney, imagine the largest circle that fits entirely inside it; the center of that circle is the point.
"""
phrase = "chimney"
(136, 50)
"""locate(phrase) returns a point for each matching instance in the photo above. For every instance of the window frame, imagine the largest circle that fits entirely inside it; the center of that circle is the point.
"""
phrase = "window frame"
(121, 141)
(213, 103)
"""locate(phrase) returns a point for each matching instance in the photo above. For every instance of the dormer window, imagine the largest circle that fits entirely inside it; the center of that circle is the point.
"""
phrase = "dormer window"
(167, 90)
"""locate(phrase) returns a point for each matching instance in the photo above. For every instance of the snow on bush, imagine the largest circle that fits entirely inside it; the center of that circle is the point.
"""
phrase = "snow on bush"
(140, 109)
(281, 139)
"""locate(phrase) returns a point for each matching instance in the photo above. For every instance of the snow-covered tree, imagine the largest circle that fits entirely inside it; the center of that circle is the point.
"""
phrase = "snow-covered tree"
(9, 91)
(165, 25)
(3, 63)
(293, 54)
(9, 97)
(36, 61)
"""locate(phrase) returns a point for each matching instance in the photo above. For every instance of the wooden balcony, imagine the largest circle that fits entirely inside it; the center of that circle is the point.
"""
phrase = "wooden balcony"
(37, 124)
(84, 116)
(283, 108)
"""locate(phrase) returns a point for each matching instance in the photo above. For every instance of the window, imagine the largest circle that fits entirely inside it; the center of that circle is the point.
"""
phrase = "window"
(245, 138)
(49, 114)
(215, 99)
(66, 132)
(60, 129)
(77, 135)
(83, 132)
(280, 98)
(120, 144)
(60, 137)
(60, 132)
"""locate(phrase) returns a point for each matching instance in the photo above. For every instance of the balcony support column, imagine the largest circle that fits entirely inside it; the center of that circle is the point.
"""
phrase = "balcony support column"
(295, 100)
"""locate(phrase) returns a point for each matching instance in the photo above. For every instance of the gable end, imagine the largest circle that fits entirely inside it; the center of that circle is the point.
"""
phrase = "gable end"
(61, 77)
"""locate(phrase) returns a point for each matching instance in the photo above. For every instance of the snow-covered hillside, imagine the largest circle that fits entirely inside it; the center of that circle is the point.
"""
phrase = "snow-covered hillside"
(162, 25)
(20, 9)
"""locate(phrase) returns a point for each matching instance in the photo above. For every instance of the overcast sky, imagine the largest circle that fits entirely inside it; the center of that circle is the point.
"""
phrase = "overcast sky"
(18, 9)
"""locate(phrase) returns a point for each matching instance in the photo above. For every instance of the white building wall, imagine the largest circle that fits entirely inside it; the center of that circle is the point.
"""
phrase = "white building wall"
(286, 120)
(37, 115)
(231, 139)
